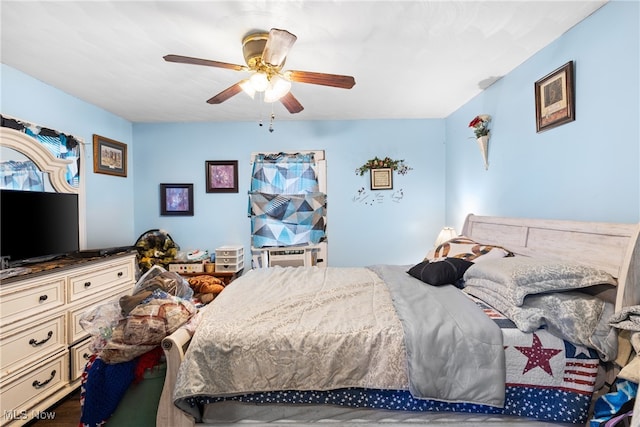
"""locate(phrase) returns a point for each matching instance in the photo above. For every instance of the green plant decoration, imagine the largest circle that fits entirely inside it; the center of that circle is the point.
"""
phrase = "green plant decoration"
(376, 163)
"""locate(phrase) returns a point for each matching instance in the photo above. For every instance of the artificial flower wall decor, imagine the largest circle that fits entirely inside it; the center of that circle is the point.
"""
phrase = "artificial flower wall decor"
(376, 163)
(480, 125)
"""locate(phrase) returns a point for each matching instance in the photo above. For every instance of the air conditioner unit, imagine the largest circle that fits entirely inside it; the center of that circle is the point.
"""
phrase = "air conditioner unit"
(304, 256)
(289, 258)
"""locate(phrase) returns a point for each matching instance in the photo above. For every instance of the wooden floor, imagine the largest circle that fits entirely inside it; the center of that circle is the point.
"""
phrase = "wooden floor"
(67, 413)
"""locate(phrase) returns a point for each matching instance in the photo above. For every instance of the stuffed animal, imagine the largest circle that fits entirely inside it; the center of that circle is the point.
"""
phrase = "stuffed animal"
(205, 287)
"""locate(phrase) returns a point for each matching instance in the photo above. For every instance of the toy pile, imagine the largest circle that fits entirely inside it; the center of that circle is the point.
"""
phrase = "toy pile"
(205, 287)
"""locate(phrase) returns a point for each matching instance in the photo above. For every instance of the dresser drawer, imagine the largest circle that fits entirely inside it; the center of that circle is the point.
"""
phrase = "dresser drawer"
(97, 280)
(27, 345)
(80, 355)
(230, 260)
(18, 395)
(229, 268)
(229, 251)
(28, 301)
(75, 331)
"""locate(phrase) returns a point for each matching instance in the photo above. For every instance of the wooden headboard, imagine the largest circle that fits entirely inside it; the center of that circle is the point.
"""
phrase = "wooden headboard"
(612, 247)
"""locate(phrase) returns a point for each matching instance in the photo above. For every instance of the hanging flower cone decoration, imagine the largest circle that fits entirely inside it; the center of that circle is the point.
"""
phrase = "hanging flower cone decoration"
(480, 125)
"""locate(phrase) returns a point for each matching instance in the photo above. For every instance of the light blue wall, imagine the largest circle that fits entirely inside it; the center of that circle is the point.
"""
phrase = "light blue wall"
(109, 202)
(359, 233)
(588, 169)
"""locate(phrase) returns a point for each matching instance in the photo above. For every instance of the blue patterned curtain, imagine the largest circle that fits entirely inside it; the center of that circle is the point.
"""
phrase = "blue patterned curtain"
(285, 204)
(21, 176)
(59, 145)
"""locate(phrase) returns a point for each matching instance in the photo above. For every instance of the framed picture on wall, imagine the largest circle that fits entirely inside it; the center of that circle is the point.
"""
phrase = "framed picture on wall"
(555, 98)
(176, 199)
(222, 176)
(109, 156)
(382, 179)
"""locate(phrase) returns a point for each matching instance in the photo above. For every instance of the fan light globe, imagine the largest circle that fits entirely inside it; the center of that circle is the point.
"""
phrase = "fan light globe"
(247, 87)
(278, 88)
(259, 81)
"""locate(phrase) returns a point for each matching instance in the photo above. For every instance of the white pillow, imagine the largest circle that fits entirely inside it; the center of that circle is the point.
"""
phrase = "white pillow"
(521, 276)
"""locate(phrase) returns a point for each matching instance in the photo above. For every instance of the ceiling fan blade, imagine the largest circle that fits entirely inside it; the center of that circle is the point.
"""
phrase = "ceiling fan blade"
(207, 62)
(277, 46)
(225, 94)
(291, 103)
(334, 80)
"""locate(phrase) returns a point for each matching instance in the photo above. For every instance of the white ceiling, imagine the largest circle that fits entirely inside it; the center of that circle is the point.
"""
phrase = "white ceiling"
(410, 59)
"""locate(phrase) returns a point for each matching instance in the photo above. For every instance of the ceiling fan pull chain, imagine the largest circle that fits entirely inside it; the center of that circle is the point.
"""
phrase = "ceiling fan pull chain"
(261, 106)
(273, 117)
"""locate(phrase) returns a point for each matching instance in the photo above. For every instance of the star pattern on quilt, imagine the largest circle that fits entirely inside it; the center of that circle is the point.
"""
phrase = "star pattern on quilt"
(537, 355)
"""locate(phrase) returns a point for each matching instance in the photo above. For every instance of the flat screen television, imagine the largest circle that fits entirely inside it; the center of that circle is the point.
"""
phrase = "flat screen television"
(37, 226)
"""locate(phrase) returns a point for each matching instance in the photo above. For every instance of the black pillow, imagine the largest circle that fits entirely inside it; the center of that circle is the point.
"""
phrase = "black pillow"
(447, 271)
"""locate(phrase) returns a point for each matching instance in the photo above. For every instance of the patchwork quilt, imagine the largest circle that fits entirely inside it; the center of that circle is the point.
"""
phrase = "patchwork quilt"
(285, 205)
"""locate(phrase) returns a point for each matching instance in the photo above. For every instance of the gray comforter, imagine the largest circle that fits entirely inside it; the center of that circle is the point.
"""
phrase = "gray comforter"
(330, 328)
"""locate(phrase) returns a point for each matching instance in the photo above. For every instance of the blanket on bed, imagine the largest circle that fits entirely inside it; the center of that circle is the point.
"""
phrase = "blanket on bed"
(331, 328)
(455, 352)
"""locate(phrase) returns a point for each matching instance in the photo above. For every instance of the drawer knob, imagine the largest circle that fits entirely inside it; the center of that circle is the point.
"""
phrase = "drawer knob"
(120, 273)
(43, 298)
(87, 284)
(35, 343)
(86, 356)
(38, 384)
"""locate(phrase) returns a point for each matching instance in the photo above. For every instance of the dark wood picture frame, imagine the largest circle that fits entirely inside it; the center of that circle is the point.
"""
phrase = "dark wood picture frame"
(176, 199)
(554, 94)
(109, 156)
(381, 179)
(221, 176)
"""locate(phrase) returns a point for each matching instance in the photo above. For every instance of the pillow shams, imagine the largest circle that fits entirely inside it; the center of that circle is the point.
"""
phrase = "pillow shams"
(465, 248)
(447, 271)
(576, 317)
(522, 276)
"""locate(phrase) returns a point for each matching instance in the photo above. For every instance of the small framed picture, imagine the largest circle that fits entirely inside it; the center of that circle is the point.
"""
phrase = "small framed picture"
(555, 98)
(176, 199)
(382, 179)
(222, 176)
(109, 156)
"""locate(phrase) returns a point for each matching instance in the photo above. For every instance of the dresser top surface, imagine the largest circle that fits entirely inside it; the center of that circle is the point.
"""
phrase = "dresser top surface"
(59, 265)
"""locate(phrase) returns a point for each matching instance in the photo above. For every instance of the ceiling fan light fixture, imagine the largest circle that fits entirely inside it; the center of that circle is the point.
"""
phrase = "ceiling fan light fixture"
(247, 87)
(265, 55)
(259, 81)
(278, 87)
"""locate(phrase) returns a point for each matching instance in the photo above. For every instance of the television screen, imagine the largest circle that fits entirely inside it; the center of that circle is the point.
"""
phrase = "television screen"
(36, 226)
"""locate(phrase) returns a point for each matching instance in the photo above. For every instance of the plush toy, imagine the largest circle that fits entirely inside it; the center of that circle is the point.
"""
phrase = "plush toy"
(205, 287)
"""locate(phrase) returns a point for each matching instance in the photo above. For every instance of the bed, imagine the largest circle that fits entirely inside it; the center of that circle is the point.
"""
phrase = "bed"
(379, 384)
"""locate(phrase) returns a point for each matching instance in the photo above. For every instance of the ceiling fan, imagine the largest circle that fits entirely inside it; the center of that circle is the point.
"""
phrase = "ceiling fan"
(265, 55)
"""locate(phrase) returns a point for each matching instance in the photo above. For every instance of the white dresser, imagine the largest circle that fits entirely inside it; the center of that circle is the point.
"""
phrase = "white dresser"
(43, 348)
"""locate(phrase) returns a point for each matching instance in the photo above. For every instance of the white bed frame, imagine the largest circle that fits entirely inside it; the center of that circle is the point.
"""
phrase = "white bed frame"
(612, 247)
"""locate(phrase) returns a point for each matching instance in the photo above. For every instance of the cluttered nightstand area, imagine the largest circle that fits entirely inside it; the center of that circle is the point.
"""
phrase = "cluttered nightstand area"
(227, 264)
